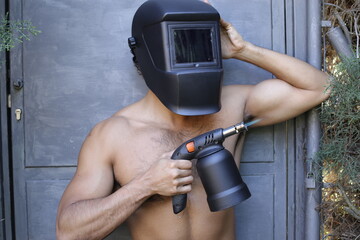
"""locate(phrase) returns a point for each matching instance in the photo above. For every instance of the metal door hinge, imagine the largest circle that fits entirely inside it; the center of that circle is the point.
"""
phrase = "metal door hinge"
(9, 101)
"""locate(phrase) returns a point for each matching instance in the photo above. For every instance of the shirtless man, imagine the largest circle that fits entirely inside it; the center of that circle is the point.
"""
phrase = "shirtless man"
(133, 148)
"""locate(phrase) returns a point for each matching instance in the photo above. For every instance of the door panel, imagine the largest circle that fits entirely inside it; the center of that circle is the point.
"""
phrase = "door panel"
(79, 71)
(255, 217)
(259, 146)
(42, 199)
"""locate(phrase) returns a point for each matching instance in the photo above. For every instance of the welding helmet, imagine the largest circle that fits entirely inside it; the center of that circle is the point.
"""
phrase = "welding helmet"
(176, 44)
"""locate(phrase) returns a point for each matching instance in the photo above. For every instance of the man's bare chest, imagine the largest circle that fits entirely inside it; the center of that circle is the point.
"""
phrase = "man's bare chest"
(145, 147)
(142, 149)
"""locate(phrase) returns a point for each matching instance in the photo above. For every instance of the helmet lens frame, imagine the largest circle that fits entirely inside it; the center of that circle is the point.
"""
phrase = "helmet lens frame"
(194, 45)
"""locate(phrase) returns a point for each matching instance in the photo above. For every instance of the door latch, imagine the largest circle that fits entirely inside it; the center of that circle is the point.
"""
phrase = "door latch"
(310, 181)
(18, 112)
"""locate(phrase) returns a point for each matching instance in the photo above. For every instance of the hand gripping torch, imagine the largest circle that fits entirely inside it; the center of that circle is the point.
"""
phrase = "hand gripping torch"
(216, 167)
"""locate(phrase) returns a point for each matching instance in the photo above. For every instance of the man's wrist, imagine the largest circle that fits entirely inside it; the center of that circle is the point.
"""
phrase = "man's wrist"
(139, 187)
(246, 52)
(144, 182)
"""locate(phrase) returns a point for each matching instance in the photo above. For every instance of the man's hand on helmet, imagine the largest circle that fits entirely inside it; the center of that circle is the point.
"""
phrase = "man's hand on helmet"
(231, 41)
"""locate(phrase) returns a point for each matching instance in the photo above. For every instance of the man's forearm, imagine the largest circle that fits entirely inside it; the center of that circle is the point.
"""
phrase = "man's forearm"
(294, 71)
(96, 218)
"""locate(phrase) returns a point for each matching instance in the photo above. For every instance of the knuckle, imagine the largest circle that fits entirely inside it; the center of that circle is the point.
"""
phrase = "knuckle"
(189, 164)
(172, 164)
(173, 191)
(175, 182)
(174, 173)
(166, 155)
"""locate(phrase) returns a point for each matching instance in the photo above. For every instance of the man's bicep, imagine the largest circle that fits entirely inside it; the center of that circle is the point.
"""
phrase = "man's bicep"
(94, 175)
(89, 185)
(274, 101)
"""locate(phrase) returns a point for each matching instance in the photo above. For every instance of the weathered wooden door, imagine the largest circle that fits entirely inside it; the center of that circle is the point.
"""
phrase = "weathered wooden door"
(79, 71)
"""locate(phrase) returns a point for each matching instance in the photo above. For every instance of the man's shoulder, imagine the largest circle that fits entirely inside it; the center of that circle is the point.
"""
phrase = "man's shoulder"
(123, 122)
(110, 127)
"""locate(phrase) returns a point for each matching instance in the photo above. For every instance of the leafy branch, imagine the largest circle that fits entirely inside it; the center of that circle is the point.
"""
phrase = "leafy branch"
(13, 32)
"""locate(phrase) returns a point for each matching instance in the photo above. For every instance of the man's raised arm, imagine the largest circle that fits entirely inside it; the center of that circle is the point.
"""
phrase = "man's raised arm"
(297, 88)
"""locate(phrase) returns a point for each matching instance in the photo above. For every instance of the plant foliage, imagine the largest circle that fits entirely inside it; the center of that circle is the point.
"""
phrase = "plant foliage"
(340, 116)
(13, 32)
(339, 154)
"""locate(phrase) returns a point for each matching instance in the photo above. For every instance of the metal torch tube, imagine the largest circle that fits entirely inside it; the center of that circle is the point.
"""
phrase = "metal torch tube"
(240, 127)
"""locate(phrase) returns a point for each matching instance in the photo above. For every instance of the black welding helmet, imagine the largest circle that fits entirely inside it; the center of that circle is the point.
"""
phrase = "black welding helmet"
(176, 44)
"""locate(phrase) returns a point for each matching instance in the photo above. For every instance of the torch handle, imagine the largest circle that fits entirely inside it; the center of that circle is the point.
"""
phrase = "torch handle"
(179, 202)
(188, 151)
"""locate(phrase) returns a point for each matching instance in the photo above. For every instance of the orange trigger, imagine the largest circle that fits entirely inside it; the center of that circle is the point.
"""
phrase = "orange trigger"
(190, 147)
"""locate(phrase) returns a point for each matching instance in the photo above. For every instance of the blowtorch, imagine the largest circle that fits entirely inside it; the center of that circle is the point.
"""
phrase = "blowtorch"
(216, 167)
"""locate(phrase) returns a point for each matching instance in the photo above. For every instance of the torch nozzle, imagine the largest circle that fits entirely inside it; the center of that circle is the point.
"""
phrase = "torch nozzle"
(238, 128)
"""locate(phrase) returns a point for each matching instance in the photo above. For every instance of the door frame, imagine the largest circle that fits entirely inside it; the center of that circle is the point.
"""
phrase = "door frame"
(6, 207)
